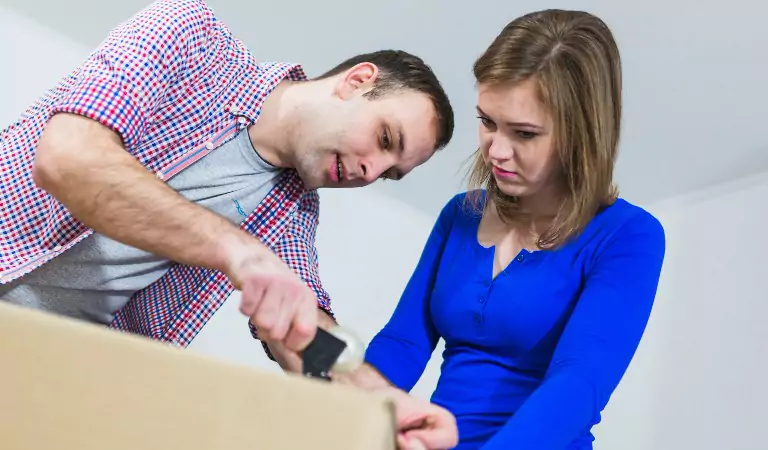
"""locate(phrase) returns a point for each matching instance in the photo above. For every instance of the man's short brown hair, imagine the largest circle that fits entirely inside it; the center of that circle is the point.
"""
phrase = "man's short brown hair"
(400, 70)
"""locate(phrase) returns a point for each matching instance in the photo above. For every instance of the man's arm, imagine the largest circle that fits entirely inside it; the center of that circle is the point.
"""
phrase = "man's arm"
(83, 165)
(127, 78)
(86, 159)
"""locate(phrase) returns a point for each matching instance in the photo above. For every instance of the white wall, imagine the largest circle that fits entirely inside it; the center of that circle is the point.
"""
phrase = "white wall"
(697, 380)
(33, 59)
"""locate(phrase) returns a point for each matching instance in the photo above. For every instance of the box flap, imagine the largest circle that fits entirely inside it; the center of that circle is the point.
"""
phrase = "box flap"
(69, 385)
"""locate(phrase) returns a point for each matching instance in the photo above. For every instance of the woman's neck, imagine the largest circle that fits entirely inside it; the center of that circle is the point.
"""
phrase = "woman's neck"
(539, 210)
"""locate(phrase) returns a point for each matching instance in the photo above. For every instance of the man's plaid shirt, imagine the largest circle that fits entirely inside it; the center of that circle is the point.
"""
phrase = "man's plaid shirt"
(175, 84)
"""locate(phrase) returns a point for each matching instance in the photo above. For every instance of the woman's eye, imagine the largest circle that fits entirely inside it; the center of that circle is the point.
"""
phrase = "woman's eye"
(526, 134)
(485, 121)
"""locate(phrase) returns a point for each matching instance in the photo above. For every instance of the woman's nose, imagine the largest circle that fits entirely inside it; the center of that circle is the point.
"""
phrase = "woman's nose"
(500, 149)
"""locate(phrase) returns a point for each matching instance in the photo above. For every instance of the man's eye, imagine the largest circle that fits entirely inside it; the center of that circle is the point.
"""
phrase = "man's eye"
(385, 141)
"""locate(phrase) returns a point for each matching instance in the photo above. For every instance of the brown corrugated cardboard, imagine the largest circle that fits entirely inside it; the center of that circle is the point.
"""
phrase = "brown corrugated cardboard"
(67, 385)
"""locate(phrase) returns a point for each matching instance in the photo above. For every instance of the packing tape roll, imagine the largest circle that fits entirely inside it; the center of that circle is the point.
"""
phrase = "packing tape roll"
(353, 355)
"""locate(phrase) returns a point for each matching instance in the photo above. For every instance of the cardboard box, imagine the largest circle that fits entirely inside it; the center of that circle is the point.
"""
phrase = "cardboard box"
(68, 385)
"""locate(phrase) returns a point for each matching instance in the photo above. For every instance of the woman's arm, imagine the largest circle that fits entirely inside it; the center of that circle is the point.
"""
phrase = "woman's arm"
(402, 349)
(597, 344)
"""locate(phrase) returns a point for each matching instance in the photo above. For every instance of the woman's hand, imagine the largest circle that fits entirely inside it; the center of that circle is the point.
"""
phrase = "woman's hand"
(422, 425)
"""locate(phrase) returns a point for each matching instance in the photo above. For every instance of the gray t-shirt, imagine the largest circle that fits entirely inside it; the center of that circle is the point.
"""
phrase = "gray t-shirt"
(96, 278)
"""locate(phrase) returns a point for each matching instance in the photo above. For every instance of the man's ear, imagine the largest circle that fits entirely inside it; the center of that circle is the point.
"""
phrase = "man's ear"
(356, 80)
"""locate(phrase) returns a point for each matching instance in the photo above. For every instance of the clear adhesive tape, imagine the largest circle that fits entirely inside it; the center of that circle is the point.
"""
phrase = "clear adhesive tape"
(353, 355)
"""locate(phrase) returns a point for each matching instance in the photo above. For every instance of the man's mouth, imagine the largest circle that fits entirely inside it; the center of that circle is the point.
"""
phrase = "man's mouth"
(338, 168)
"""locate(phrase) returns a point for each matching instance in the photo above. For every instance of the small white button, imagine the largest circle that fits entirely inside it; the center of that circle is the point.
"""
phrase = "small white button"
(209, 145)
(57, 248)
(234, 109)
(160, 175)
(241, 120)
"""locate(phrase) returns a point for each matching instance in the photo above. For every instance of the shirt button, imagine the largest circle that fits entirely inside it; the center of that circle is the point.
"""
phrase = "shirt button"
(209, 145)
(241, 120)
(520, 258)
(481, 299)
(57, 248)
(234, 109)
(160, 175)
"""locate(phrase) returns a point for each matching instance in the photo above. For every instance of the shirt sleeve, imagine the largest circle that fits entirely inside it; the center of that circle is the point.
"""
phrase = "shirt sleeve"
(297, 248)
(126, 78)
(402, 349)
(597, 343)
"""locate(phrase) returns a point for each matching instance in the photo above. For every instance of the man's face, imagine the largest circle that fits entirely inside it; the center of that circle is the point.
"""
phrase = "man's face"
(355, 141)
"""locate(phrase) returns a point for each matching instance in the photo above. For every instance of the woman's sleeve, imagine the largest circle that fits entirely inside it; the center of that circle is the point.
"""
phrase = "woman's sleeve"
(402, 349)
(597, 343)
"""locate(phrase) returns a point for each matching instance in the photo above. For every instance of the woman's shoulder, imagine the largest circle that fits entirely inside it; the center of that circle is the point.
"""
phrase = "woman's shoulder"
(625, 224)
(466, 204)
(462, 212)
(622, 216)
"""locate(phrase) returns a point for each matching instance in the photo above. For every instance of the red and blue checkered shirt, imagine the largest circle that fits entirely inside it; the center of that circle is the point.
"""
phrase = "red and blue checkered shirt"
(175, 84)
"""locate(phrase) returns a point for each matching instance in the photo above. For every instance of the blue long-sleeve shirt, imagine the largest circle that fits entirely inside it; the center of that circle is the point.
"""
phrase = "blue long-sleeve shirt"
(532, 356)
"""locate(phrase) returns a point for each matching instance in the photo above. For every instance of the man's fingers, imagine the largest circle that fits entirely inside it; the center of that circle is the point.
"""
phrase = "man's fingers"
(281, 307)
(265, 316)
(283, 318)
(252, 294)
(303, 325)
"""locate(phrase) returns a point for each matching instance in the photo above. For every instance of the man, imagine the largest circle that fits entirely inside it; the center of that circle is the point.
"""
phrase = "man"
(172, 168)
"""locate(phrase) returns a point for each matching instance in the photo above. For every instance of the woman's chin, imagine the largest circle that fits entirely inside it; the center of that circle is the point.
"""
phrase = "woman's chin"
(511, 189)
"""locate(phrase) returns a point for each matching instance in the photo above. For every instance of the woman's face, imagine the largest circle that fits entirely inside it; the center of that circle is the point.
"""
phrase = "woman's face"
(516, 139)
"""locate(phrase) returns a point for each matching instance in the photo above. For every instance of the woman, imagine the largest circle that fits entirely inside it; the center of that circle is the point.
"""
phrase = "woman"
(541, 283)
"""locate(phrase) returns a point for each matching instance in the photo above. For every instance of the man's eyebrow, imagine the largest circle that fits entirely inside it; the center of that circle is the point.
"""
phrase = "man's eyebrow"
(401, 139)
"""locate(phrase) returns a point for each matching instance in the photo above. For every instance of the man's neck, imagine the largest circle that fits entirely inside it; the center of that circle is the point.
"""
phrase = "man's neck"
(272, 132)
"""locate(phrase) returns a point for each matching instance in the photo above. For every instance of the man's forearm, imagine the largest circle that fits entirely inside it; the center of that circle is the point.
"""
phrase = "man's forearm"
(84, 166)
(365, 377)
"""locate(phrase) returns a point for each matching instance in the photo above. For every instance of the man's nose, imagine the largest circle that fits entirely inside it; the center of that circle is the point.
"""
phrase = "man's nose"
(368, 171)
(372, 168)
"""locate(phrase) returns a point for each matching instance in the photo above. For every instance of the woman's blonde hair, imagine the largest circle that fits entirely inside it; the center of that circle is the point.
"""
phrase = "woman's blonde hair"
(575, 61)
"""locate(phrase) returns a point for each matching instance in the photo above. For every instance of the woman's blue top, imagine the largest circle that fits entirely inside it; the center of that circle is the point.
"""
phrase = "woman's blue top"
(532, 356)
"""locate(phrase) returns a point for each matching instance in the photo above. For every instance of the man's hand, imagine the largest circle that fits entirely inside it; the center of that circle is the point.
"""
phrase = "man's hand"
(289, 360)
(281, 306)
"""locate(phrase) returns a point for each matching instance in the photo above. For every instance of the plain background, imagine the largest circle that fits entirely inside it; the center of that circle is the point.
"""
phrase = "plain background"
(694, 153)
